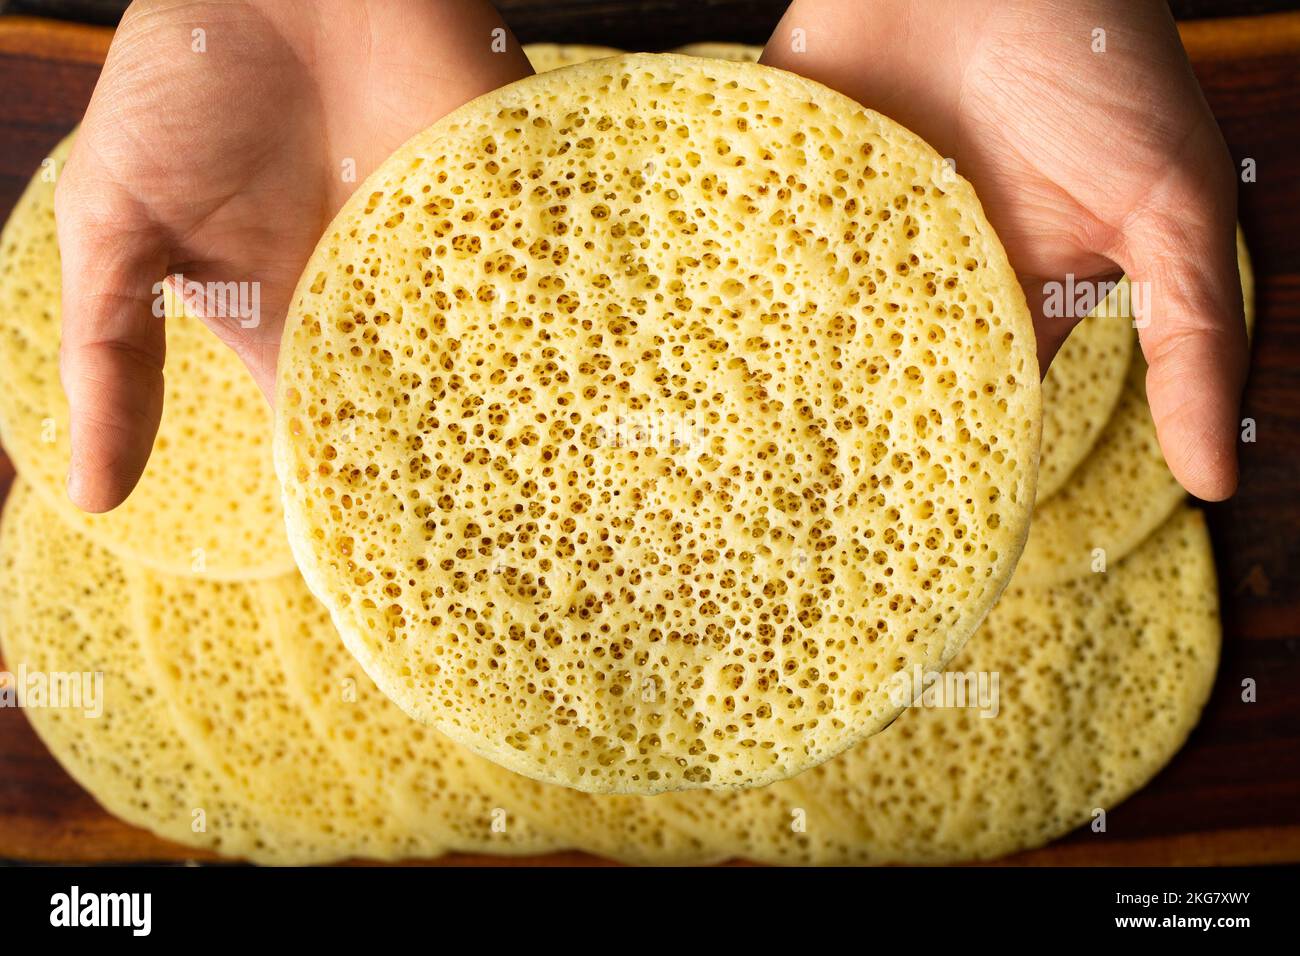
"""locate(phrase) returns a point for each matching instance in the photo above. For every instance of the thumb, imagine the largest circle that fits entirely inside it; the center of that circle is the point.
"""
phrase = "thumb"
(1180, 253)
(111, 357)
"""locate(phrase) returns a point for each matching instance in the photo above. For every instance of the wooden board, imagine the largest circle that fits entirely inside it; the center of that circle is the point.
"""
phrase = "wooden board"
(1232, 796)
(644, 24)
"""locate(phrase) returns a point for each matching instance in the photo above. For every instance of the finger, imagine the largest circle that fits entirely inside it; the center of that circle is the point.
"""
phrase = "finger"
(1181, 248)
(111, 356)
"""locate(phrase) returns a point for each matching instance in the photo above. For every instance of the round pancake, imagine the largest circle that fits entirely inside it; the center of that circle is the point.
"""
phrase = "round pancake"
(445, 797)
(637, 457)
(1091, 523)
(211, 653)
(208, 503)
(743, 52)
(627, 828)
(65, 608)
(232, 699)
(1080, 391)
(1100, 681)
(552, 56)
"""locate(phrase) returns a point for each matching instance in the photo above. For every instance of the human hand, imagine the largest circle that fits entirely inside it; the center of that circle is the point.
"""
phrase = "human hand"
(1087, 163)
(226, 164)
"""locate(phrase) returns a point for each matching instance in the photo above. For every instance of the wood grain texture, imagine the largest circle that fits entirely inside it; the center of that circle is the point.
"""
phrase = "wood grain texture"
(653, 24)
(1232, 796)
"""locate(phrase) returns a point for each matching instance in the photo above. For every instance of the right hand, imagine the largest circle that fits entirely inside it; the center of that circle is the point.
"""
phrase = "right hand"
(1089, 162)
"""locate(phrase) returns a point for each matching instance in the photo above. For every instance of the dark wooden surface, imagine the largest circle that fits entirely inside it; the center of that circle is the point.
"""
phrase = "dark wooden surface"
(1231, 796)
(640, 24)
